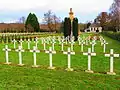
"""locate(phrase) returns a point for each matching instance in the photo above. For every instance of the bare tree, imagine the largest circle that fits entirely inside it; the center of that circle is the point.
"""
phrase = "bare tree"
(115, 14)
(22, 19)
(51, 20)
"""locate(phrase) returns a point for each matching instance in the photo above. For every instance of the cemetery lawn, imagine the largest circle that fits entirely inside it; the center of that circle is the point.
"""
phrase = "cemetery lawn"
(13, 77)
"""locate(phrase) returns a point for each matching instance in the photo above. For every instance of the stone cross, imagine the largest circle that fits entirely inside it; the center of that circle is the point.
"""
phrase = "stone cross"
(82, 43)
(72, 43)
(53, 44)
(104, 45)
(36, 42)
(28, 43)
(42, 40)
(20, 50)
(69, 53)
(79, 40)
(66, 40)
(21, 41)
(59, 39)
(62, 45)
(34, 55)
(93, 45)
(89, 54)
(14, 42)
(111, 55)
(44, 44)
(47, 40)
(50, 52)
(6, 52)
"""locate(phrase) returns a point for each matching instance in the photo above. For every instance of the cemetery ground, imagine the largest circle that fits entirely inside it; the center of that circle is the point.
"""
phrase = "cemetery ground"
(14, 77)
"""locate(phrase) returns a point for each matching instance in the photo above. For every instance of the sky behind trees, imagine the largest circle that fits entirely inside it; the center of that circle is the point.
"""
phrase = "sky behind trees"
(85, 10)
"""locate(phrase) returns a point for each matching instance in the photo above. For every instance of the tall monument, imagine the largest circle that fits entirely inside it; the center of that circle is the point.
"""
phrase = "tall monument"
(71, 26)
(71, 16)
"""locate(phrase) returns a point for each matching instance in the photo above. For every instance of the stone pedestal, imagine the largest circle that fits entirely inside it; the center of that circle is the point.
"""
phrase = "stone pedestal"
(111, 73)
(35, 66)
(69, 69)
(89, 71)
(51, 68)
(21, 64)
(8, 63)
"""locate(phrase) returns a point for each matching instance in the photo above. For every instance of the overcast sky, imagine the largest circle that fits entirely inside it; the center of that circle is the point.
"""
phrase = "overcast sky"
(84, 10)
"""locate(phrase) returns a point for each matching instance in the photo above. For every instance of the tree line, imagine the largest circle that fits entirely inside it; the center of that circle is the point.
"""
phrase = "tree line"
(110, 21)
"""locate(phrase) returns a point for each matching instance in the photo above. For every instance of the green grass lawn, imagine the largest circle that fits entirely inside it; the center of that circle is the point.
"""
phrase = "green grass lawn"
(13, 77)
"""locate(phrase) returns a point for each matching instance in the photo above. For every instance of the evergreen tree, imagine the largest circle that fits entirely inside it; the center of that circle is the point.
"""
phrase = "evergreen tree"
(75, 28)
(32, 23)
(67, 27)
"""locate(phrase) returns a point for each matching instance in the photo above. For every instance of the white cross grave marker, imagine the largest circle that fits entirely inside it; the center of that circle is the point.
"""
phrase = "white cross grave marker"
(6, 53)
(66, 40)
(36, 42)
(104, 45)
(47, 40)
(14, 42)
(21, 41)
(28, 43)
(72, 43)
(20, 50)
(50, 52)
(89, 54)
(59, 39)
(79, 40)
(62, 45)
(82, 44)
(34, 55)
(111, 55)
(93, 45)
(42, 40)
(53, 44)
(69, 53)
(44, 44)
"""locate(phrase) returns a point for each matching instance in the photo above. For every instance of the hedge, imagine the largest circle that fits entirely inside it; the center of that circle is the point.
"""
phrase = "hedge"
(113, 35)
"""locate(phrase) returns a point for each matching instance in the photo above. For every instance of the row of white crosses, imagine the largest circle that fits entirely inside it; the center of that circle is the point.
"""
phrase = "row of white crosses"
(81, 42)
(28, 42)
(69, 53)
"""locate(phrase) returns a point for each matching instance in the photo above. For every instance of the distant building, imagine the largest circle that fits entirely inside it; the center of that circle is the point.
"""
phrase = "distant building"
(94, 28)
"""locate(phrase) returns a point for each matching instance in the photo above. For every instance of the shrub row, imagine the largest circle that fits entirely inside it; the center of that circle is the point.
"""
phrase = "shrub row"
(113, 35)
